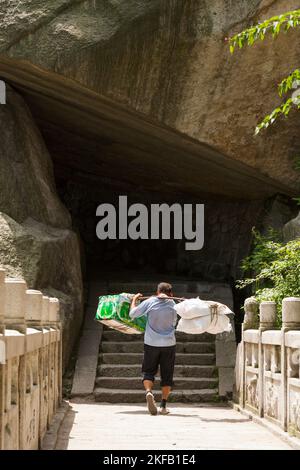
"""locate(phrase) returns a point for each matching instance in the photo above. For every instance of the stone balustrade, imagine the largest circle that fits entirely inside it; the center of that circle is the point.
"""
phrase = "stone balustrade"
(30, 364)
(268, 363)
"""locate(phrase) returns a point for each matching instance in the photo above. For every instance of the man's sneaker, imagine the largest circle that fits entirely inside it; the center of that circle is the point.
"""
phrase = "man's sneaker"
(151, 403)
(164, 411)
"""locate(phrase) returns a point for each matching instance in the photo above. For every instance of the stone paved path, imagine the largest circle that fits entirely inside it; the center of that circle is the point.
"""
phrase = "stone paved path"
(90, 425)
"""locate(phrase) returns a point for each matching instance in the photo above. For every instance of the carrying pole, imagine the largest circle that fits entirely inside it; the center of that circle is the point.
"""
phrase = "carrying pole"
(169, 298)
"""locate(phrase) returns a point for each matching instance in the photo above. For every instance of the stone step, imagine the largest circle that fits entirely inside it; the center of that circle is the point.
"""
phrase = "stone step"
(136, 396)
(135, 383)
(135, 358)
(138, 347)
(134, 370)
(113, 335)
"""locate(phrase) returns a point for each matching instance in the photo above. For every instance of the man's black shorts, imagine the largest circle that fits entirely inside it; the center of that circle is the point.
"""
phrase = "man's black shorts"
(164, 357)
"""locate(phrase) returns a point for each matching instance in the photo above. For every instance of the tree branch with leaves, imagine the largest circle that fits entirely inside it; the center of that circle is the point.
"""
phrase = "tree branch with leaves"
(273, 26)
(274, 266)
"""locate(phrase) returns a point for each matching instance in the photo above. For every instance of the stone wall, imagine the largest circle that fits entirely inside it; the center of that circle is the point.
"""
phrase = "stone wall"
(268, 365)
(30, 364)
(227, 226)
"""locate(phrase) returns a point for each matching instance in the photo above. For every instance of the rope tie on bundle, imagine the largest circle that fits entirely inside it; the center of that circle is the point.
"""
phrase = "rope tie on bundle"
(213, 314)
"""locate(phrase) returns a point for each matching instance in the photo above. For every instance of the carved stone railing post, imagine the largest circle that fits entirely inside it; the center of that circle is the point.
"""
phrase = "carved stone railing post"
(3, 358)
(56, 324)
(45, 311)
(30, 409)
(250, 321)
(290, 321)
(15, 339)
(33, 308)
(291, 313)
(54, 371)
(267, 321)
(251, 314)
(44, 368)
(15, 291)
(267, 315)
(2, 300)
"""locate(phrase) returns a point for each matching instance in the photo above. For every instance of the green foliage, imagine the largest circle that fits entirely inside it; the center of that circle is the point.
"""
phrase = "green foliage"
(249, 36)
(275, 268)
(273, 26)
(297, 199)
(263, 250)
(287, 84)
(282, 110)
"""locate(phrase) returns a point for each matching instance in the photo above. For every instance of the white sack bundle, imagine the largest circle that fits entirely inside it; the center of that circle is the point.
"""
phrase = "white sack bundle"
(192, 308)
(213, 317)
(199, 325)
(194, 326)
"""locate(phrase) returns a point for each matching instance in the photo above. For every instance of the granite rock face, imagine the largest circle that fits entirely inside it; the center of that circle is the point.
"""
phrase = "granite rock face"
(36, 240)
(169, 61)
(26, 174)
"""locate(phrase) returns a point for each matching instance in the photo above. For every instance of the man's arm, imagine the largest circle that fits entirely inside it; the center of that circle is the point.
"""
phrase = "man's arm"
(137, 311)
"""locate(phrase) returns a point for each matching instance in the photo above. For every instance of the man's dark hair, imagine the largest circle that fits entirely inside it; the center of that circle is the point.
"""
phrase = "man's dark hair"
(164, 288)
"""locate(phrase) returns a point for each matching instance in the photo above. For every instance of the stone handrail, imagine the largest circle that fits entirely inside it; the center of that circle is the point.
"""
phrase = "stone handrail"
(30, 363)
(268, 364)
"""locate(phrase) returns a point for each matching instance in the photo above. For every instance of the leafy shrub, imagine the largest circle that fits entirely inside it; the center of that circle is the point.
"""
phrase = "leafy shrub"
(274, 267)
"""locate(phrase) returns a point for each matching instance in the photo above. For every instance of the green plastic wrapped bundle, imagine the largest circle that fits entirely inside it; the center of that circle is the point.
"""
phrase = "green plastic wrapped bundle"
(113, 311)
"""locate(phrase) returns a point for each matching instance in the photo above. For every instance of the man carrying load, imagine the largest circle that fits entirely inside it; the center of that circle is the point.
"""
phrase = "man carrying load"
(159, 342)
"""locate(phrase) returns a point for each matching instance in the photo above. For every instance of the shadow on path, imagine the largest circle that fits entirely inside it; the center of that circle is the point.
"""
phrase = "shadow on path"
(181, 415)
(63, 436)
(225, 420)
(145, 412)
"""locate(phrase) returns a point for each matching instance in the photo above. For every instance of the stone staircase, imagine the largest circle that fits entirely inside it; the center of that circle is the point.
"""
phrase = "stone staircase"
(118, 378)
(119, 370)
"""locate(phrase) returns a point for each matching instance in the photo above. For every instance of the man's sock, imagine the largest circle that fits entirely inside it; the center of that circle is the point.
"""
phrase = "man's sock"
(163, 403)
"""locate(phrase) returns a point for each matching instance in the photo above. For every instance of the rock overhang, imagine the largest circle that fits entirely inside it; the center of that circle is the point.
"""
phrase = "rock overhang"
(169, 63)
(94, 136)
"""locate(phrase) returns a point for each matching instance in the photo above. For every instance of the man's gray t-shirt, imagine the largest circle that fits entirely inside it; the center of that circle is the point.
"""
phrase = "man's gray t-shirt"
(161, 320)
